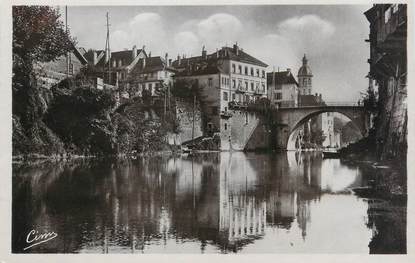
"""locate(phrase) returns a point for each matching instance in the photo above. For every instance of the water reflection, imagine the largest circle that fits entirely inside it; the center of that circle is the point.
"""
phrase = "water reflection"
(207, 203)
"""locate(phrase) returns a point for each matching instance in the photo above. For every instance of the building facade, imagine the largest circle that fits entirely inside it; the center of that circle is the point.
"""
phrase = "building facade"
(388, 71)
(151, 75)
(227, 79)
(282, 89)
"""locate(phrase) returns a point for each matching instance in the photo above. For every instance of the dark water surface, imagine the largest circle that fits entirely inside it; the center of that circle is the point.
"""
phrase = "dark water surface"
(207, 203)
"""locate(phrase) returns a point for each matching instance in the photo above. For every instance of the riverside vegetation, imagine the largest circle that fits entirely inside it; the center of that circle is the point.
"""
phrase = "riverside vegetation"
(72, 118)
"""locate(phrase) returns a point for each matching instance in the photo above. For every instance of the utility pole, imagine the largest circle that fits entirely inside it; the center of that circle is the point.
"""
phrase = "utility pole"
(193, 125)
(107, 50)
(67, 52)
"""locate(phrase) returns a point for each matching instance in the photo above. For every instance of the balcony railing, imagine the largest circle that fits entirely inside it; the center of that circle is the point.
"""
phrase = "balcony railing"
(237, 104)
(259, 91)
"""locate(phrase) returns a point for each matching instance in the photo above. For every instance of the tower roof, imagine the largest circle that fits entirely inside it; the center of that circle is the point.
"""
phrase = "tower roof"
(305, 70)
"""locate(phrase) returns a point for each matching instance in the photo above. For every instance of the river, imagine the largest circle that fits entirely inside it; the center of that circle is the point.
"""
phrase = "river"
(206, 203)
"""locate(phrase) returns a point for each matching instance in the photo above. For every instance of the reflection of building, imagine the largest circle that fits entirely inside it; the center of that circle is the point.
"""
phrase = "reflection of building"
(242, 210)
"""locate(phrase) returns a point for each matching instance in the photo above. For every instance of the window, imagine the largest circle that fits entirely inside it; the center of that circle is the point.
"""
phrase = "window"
(233, 84)
(246, 118)
(246, 70)
(246, 85)
(252, 71)
(263, 74)
(240, 69)
(278, 96)
(225, 96)
(210, 82)
(71, 68)
(233, 96)
(263, 87)
(233, 68)
(226, 126)
(257, 72)
(252, 86)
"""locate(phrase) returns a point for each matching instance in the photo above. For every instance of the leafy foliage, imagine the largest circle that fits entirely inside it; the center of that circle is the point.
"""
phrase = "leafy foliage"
(38, 34)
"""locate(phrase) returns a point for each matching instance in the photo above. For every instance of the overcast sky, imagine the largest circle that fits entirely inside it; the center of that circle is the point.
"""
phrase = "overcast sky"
(331, 36)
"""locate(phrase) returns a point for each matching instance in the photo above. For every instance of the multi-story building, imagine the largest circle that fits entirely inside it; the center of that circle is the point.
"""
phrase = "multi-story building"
(388, 69)
(226, 78)
(134, 71)
(119, 63)
(282, 89)
(150, 75)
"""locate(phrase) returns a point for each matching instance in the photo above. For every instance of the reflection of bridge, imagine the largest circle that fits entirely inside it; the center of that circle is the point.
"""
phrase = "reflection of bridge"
(289, 119)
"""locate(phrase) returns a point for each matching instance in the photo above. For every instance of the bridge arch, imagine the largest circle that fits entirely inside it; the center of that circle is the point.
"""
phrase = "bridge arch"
(290, 119)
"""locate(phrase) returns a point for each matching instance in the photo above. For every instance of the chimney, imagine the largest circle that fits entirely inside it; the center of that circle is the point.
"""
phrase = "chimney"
(204, 53)
(179, 60)
(236, 49)
(169, 62)
(166, 58)
(134, 52)
(217, 53)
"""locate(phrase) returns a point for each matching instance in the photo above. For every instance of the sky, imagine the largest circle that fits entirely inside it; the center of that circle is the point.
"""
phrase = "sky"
(331, 36)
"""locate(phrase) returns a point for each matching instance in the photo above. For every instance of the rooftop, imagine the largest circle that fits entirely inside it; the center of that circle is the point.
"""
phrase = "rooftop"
(281, 77)
(231, 53)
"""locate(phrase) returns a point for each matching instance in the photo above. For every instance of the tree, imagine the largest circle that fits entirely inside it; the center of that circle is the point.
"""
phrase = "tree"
(318, 137)
(38, 34)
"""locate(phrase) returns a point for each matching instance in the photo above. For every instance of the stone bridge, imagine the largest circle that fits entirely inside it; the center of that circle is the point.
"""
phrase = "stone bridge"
(289, 119)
